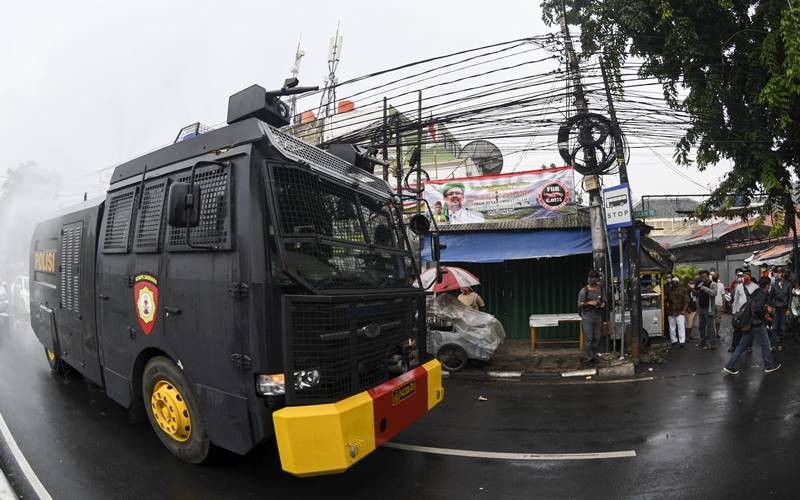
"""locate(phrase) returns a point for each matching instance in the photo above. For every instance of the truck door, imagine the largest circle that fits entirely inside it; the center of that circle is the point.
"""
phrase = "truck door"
(116, 316)
(200, 303)
(69, 333)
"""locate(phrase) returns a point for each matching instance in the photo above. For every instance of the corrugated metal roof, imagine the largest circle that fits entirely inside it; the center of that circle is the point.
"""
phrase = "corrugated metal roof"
(667, 208)
(578, 220)
(707, 234)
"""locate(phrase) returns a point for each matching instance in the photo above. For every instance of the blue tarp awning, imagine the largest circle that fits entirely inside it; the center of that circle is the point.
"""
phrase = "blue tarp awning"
(498, 246)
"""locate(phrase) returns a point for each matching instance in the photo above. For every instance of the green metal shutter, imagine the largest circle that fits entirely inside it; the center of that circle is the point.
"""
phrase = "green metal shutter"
(513, 290)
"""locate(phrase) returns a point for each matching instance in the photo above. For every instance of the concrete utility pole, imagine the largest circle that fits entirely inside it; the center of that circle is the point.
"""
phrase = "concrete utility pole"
(633, 250)
(591, 182)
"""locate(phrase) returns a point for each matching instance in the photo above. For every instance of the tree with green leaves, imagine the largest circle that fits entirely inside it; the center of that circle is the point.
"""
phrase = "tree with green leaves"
(732, 65)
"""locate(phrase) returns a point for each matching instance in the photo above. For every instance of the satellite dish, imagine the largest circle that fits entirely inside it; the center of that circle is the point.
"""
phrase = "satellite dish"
(485, 155)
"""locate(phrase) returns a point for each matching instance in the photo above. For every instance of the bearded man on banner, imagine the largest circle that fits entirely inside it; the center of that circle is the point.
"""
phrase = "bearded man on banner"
(454, 198)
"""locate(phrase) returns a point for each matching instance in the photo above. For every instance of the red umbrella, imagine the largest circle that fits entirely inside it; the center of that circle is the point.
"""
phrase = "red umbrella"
(453, 278)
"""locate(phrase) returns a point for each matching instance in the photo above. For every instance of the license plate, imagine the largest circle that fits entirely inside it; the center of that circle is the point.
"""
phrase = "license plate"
(404, 392)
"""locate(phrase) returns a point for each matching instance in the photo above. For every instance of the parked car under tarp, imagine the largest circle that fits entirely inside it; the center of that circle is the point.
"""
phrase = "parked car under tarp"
(458, 333)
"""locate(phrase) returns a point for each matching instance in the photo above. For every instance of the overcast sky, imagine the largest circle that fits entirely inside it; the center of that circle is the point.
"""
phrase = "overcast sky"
(87, 85)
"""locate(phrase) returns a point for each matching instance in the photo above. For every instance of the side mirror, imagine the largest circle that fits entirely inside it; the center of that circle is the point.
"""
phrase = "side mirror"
(419, 225)
(184, 205)
(436, 248)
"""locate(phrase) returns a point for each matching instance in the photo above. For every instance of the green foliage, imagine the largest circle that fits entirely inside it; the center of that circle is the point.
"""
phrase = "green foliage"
(732, 65)
(685, 272)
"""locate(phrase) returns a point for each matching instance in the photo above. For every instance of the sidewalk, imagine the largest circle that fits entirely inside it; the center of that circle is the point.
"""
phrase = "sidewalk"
(514, 360)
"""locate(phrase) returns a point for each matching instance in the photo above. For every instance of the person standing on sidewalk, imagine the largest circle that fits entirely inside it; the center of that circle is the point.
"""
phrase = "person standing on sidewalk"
(779, 295)
(717, 302)
(758, 303)
(706, 291)
(591, 302)
(677, 302)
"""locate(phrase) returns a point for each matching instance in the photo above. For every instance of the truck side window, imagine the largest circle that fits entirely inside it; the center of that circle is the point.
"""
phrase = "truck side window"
(118, 220)
(150, 221)
(215, 213)
(69, 269)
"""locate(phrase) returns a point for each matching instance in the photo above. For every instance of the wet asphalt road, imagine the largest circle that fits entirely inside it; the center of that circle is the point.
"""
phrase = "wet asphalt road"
(695, 432)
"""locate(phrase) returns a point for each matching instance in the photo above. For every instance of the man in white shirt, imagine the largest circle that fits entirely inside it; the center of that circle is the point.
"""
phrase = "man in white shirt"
(454, 198)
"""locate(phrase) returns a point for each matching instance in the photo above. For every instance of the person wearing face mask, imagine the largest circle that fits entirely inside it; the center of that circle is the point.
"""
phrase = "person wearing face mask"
(705, 291)
(591, 302)
(758, 305)
(739, 300)
(779, 294)
(736, 281)
(718, 306)
(677, 302)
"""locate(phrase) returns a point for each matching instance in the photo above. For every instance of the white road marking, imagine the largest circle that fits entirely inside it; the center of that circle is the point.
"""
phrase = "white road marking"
(6, 493)
(511, 456)
(23, 464)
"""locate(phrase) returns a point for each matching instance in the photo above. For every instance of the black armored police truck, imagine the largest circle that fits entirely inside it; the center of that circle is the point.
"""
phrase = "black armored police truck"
(241, 284)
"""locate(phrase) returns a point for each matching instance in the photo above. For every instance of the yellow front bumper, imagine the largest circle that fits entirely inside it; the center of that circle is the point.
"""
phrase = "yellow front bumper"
(329, 438)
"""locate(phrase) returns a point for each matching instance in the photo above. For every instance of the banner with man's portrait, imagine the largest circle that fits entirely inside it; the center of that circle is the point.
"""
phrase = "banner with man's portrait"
(513, 196)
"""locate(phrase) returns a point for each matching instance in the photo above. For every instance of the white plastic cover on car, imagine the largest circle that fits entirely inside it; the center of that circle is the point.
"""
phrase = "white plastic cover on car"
(479, 328)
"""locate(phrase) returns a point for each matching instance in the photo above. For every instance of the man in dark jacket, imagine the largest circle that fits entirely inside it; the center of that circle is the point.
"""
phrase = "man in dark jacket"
(677, 303)
(591, 301)
(706, 290)
(779, 295)
(758, 303)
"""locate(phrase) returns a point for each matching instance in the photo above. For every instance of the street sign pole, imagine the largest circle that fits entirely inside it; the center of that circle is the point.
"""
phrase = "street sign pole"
(621, 297)
(618, 211)
(633, 247)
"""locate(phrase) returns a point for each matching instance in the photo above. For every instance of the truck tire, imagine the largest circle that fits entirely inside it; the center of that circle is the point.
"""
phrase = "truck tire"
(174, 412)
(57, 365)
(453, 357)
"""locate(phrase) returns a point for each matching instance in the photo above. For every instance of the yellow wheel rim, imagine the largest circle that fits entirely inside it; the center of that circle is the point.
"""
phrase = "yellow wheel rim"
(170, 411)
(51, 355)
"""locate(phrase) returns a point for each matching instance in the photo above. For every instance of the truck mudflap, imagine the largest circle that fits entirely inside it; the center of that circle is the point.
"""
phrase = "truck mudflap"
(329, 438)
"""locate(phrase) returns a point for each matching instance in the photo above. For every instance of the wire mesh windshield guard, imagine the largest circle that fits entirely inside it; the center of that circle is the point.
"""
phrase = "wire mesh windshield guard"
(333, 237)
(297, 150)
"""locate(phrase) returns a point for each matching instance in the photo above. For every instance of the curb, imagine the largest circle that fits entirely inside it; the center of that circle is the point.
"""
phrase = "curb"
(624, 371)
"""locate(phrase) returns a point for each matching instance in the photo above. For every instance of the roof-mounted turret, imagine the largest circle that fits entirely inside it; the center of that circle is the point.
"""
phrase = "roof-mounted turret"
(255, 101)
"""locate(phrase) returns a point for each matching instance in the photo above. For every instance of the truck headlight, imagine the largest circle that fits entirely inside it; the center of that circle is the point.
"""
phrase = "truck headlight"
(275, 384)
(270, 385)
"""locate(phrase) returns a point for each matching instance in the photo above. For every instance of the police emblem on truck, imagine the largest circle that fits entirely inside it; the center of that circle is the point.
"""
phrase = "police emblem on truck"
(145, 295)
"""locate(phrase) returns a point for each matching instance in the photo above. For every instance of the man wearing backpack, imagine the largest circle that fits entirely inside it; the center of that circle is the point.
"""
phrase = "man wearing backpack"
(757, 303)
(739, 299)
